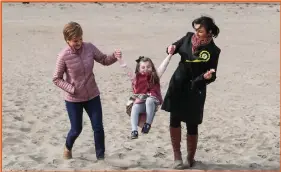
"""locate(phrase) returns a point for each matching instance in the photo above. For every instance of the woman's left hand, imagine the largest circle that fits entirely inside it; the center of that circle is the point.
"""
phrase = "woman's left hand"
(208, 74)
(118, 54)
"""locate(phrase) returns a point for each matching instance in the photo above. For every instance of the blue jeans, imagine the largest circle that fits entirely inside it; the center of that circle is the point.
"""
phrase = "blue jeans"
(94, 111)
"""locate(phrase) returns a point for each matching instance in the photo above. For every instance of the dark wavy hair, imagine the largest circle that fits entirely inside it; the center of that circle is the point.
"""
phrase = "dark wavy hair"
(209, 24)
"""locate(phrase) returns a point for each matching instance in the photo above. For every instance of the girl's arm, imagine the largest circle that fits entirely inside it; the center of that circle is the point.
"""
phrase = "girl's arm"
(58, 76)
(127, 69)
(103, 59)
(163, 66)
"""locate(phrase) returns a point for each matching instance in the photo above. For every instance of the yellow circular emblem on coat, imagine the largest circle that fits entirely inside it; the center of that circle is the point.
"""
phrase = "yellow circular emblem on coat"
(204, 55)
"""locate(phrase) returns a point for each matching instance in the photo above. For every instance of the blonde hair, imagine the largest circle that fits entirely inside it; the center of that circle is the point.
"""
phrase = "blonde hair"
(72, 30)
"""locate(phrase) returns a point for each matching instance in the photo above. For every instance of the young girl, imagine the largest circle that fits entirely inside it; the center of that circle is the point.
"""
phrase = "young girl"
(81, 90)
(146, 88)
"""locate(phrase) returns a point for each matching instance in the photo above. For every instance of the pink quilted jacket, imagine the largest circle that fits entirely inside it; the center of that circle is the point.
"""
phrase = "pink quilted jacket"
(79, 84)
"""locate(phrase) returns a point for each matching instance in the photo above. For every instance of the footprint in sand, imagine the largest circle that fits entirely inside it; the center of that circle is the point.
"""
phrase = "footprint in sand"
(91, 150)
(54, 141)
(159, 155)
(25, 129)
(38, 159)
(11, 141)
(213, 136)
(254, 165)
(122, 164)
(123, 5)
(127, 147)
(149, 7)
(56, 161)
(164, 10)
(121, 156)
(207, 150)
(21, 108)
(200, 146)
(263, 156)
(18, 103)
(270, 159)
(10, 164)
(6, 134)
(30, 122)
(19, 118)
(62, 8)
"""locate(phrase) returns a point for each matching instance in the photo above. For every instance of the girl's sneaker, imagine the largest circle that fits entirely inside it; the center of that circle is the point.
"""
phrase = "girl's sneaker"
(146, 127)
(134, 135)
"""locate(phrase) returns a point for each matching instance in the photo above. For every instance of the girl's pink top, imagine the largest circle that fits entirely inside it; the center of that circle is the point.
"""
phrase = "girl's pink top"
(79, 84)
(142, 85)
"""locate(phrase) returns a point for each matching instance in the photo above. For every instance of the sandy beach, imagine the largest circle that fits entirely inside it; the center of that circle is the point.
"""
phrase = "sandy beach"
(241, 127)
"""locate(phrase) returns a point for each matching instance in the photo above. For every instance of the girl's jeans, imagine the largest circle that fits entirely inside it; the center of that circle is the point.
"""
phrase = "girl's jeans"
(94, 111)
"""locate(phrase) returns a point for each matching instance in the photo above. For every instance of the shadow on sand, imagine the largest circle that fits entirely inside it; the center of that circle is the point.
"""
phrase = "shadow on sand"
(198, 166)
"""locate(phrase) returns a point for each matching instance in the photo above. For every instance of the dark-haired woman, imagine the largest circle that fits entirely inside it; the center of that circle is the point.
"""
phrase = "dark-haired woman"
(185, 97)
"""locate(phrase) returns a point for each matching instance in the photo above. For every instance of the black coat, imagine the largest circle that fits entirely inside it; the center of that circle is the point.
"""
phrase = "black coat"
(186, 94)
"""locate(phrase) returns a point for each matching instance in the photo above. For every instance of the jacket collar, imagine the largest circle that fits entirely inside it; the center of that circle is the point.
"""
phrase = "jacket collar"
(74, 51)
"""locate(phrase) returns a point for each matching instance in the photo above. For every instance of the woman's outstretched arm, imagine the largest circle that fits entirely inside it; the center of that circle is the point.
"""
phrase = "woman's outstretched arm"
(127, 69)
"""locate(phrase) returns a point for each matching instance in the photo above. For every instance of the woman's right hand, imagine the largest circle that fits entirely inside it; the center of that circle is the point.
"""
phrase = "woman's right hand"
(208, 74)
(171, 49)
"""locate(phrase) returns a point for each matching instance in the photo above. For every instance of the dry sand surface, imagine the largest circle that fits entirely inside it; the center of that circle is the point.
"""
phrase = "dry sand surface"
(241, 124)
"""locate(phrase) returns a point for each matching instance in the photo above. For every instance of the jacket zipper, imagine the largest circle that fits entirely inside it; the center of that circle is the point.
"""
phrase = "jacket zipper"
(84, 76)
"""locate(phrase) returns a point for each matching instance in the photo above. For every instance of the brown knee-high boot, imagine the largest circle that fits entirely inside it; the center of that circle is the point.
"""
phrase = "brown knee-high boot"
(176, 143)
(191, 143)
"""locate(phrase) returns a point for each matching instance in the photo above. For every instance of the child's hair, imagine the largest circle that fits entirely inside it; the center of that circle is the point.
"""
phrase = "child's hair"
(154, 76)
(72, 30)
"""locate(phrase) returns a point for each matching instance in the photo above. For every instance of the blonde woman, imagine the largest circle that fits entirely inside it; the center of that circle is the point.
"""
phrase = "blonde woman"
(76, 61)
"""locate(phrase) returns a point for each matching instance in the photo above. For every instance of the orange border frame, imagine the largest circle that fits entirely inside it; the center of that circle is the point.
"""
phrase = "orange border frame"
(191, 1)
